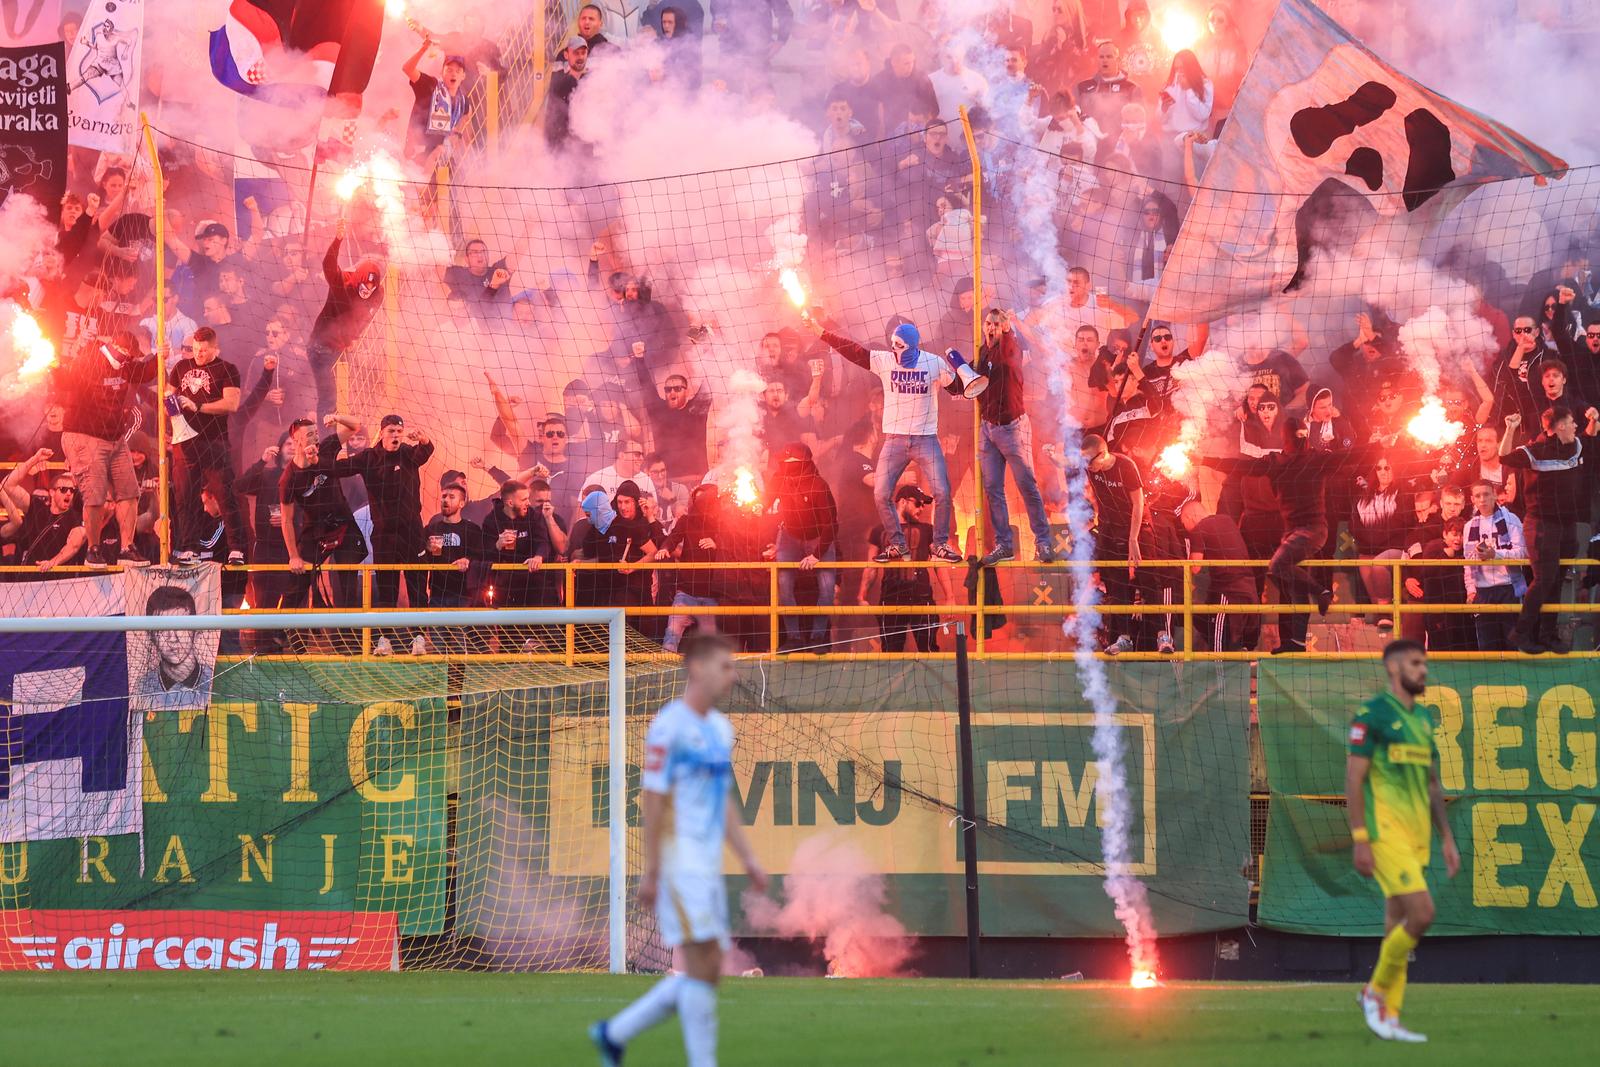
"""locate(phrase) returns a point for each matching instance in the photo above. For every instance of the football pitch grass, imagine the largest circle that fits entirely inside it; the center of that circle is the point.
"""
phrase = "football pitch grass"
(438, 1019)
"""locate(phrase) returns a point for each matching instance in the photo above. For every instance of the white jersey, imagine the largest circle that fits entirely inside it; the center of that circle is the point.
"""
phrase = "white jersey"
(911, 394)
(689, 759)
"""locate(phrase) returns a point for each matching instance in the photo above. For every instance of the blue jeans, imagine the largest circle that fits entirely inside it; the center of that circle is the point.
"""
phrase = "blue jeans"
(1002, 445)
(899, 452)
(678, 625)
(805, 629)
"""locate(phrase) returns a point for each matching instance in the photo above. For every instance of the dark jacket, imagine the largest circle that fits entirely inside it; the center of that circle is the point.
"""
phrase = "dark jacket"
(806, 508)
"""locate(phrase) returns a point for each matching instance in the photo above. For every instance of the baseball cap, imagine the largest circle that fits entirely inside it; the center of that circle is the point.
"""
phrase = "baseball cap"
(209, 228)
(391, 420)
(576, 41)
(912, 492)
(460, 61)
(449, 478)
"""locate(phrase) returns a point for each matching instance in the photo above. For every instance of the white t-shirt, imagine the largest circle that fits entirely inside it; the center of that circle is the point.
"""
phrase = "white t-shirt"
(689, 758)
(952, 90)
(911, 396)
(608, 479)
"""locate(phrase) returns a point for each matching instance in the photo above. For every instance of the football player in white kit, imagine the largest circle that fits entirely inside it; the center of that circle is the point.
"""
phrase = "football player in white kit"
(689, 811)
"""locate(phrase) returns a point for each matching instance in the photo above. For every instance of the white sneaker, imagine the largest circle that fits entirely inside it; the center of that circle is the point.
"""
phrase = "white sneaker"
(419, 645)
(382, 647)
(1164, 643)
(1372, 1010)
(1119, 646)
(1400, 1033)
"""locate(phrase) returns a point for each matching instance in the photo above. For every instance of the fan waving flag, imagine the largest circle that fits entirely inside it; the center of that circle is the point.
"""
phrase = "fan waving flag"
(289, 51)
(1319, 116)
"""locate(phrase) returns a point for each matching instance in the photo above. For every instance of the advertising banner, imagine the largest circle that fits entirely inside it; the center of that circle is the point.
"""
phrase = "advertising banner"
(1517, 761)
(883, 776)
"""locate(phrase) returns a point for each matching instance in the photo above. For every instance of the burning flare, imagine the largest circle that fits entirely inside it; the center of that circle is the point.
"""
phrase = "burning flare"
(792, 287)
(1143, 980)
(1432, 427)
(1173, 461)
(347, 185)
(35, 352)
(745, 494)
(1179, 28)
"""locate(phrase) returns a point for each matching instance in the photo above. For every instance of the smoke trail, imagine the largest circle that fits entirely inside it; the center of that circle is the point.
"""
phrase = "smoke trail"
(835, 898)
(1030, 197)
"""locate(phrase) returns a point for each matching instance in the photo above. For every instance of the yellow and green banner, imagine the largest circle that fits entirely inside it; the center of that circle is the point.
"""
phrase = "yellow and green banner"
(1517, 760)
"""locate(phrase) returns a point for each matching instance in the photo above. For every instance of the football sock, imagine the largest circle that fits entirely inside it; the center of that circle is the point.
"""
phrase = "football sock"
(1397, 992)
(1392, 962)
(697, 1014)
(655, 1006)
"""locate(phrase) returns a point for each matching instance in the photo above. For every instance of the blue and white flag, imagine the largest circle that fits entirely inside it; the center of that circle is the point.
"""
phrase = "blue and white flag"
(71, 753)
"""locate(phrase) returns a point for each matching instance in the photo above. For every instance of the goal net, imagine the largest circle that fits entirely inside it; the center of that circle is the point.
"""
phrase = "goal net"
(171, 800)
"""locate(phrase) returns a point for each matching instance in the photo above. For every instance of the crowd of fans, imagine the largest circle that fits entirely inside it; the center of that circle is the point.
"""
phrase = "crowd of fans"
(860, 442)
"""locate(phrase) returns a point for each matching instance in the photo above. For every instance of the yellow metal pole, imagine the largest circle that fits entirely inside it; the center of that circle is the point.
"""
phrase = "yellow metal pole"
(366, 605)
(772, 593)
(1398, 587)
(1188, 615)
(977, 342)
(491, 101)
(163, 520)
(572, 600)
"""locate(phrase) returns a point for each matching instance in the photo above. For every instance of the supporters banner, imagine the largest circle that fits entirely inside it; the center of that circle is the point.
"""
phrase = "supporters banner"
(880, 773)
(171, 670)
(70, 752)
(1516, 759)
(103, 72)
(319, 800)
(1317, 119)
(29, 22)
(33, 124)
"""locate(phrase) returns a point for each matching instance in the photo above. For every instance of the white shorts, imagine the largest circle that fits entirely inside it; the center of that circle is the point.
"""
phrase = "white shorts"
(692, 908)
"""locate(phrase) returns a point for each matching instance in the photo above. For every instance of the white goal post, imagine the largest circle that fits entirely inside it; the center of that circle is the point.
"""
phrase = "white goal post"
(614, 619)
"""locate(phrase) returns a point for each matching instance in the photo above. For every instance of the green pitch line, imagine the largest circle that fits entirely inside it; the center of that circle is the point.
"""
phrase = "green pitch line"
(435, 1019)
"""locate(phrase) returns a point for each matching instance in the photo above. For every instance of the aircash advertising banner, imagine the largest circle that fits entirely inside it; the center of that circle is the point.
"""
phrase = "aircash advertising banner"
(867, 754)
(292, 823)
(1517, 760)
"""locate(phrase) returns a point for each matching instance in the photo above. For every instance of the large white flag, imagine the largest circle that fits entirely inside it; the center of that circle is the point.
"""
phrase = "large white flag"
(1323, 127)
(103, 76)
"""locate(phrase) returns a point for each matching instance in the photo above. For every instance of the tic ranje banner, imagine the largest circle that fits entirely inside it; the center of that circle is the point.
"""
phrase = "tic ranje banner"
(866, 752)
(1517, 759)
(293, 800)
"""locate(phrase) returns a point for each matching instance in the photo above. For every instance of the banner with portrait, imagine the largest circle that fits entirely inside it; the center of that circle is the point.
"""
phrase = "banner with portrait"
(172, 670)
(103, 76)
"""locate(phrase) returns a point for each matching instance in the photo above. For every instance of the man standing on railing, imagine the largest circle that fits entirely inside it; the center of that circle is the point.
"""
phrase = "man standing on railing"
(354, 297)
(910, 375)
(1298, 475)
(98, 386)
(1006, 441)
(206, 389)
(394, 498)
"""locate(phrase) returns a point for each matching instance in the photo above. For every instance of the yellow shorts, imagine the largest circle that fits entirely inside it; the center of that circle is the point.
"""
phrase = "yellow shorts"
(1397, 864)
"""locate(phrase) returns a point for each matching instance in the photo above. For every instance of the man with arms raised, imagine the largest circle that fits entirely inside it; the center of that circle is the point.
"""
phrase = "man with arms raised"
(689, 810)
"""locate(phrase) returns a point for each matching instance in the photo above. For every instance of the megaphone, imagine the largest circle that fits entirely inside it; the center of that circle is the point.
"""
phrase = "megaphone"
(972, 383)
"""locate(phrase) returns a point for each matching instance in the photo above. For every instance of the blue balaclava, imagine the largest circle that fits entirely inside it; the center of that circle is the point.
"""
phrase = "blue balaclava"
(908, 333)
(600, 512)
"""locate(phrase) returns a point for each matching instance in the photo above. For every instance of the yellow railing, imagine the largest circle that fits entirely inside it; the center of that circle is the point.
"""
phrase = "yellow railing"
(1188, 610)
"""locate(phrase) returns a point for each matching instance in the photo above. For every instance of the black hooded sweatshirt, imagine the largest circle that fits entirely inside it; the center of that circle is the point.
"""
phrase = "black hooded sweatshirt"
(806, 508)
